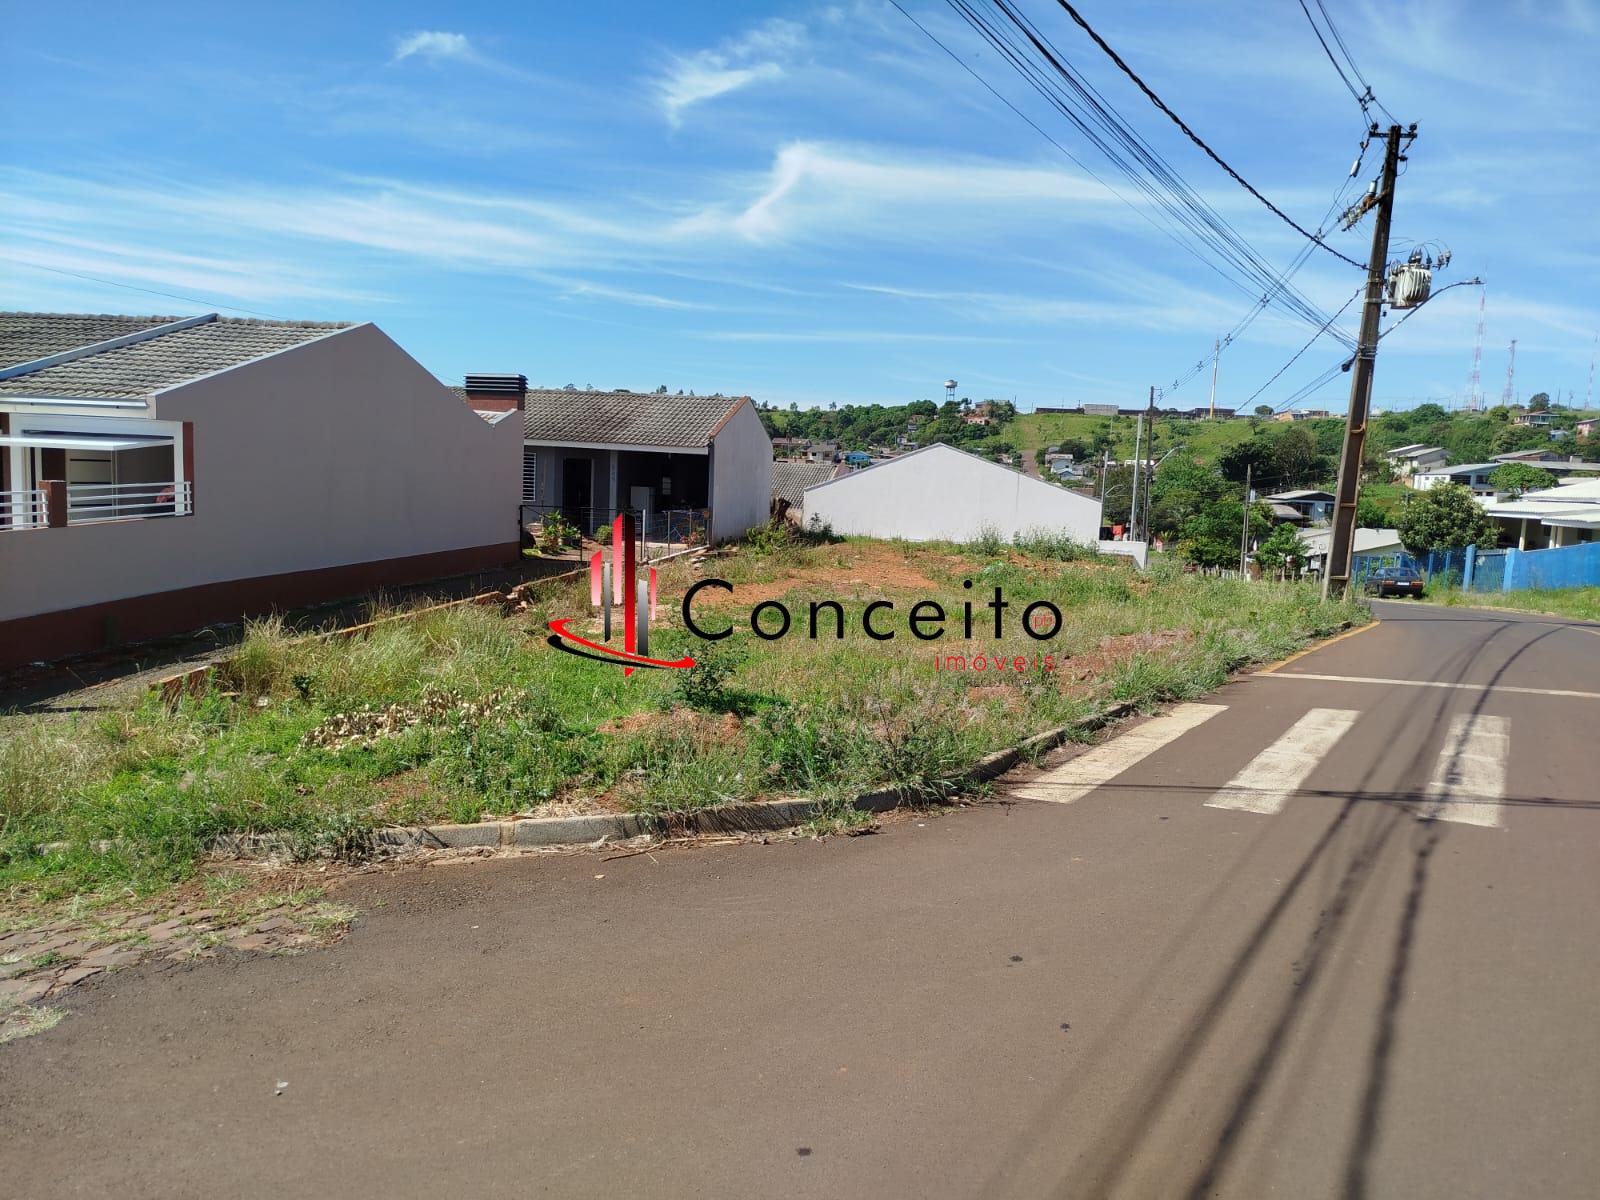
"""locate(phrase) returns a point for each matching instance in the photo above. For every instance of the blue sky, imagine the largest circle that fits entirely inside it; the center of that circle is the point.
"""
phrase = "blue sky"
(810, 203)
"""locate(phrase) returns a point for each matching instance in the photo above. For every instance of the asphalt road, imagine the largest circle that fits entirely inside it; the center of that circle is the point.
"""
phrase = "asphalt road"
(1327, 934)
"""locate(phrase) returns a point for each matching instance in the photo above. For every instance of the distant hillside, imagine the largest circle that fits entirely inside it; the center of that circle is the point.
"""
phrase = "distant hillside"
(921, 423)
(1467, 437)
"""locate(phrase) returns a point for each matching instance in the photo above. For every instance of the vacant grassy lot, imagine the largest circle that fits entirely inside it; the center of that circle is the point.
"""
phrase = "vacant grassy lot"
(1582, 603)
(1206, 440)
(465, 713)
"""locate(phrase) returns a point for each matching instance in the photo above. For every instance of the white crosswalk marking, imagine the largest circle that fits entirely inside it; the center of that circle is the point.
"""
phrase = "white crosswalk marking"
(1266, 784)
(1075, 779)
(1470, 779)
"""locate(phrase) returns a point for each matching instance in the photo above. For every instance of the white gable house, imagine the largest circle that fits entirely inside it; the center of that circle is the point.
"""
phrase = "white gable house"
(940, 493)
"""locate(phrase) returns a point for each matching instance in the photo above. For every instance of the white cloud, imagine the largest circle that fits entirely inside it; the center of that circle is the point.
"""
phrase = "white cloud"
(692, 80)
(435, 46)
(754, 56)
(814, 187)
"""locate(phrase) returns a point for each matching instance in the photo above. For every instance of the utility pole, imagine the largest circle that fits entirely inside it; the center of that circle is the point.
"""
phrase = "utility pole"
(1140, 468)
(1133, 502)
(1244, 535)
(1216, 357)
(1336, 576)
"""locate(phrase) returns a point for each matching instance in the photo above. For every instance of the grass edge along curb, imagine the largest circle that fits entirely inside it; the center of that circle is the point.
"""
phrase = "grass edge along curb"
(750, 817)
(745, 817)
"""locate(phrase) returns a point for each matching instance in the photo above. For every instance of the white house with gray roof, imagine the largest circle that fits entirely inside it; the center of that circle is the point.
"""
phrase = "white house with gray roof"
(940, 493)
(158, 474)
(683, 460)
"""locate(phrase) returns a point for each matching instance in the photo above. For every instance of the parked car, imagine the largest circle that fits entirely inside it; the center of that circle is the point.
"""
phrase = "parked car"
(1395, 581)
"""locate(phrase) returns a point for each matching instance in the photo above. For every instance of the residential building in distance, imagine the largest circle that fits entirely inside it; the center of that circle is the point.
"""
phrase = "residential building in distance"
(822, 452)
(1408, 460)
(1313, 507)
(941, 493)
(1565, 515)
(590, 455)
(1473, 475)
(1364, 541)
(158, 474)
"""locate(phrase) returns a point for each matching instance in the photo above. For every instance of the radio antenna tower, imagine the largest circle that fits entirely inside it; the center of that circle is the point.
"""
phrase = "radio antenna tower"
(1474, 381)
(1588, 397)
(1511, 374)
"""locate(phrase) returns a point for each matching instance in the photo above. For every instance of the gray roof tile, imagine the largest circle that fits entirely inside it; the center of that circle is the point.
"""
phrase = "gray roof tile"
(144, 368)
(790, 478)
(26, 336)
(625, 418)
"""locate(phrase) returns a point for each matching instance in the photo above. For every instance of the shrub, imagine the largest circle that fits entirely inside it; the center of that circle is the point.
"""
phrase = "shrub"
(704, 686)
(1052, 544)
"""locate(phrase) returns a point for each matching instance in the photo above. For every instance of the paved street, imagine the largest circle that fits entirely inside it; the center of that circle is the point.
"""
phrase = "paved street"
(1331, 931)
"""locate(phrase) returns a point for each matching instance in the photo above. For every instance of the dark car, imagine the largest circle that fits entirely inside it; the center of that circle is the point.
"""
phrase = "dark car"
(1395, 581)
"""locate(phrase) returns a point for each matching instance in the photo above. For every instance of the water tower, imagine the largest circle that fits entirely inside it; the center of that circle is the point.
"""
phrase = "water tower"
(949, 390)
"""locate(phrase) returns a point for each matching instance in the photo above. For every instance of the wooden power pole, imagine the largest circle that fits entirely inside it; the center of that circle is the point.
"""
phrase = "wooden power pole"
(1244, 534)
(1336, 575)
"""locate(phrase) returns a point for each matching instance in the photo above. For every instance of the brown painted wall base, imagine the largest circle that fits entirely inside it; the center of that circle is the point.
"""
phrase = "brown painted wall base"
(95, 627)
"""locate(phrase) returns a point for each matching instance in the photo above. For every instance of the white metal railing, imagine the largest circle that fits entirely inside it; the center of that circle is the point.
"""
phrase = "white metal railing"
(22, 509)
(89, 502)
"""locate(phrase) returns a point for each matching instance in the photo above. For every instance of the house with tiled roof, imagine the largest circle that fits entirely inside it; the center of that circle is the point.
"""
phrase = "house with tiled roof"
(160, 473)
(791, 478)
(676, 461)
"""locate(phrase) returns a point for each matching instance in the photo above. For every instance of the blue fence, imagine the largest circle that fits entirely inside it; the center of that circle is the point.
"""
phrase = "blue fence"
(1476, 570)
(1564, 567)
(1448, 567)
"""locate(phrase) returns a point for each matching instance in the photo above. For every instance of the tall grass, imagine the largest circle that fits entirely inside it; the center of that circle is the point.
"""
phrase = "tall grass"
(825, 718)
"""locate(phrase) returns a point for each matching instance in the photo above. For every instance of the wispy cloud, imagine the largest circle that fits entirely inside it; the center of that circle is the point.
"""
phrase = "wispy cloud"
(755, 56)
(813, 187)
(849, 336)
(434, 46)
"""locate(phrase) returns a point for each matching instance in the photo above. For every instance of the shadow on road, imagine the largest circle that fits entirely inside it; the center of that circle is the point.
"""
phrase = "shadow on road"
(1368, 823)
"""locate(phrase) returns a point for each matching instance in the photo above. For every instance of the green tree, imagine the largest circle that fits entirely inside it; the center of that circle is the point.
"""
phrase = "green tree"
(1210, 538)
(1471, 439)
(1370, 514)
(1263, 410)
(1296, 460)
(1540, 402)
(1255, 454)
(1516, 478)
(1283, 552)
(1181, 489)
(1446, 517)
(1519, 437)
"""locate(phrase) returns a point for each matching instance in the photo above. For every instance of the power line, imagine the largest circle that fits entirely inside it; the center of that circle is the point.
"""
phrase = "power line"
(1040, 130)
(1308, 345)
(1196, 138)
(1431, 296)
(1343, 78)
(1144, 167)
(1354, 70)
(134, 288)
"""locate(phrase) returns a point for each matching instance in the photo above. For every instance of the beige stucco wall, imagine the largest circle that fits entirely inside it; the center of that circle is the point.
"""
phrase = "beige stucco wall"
(342, 450)
(741, 475)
